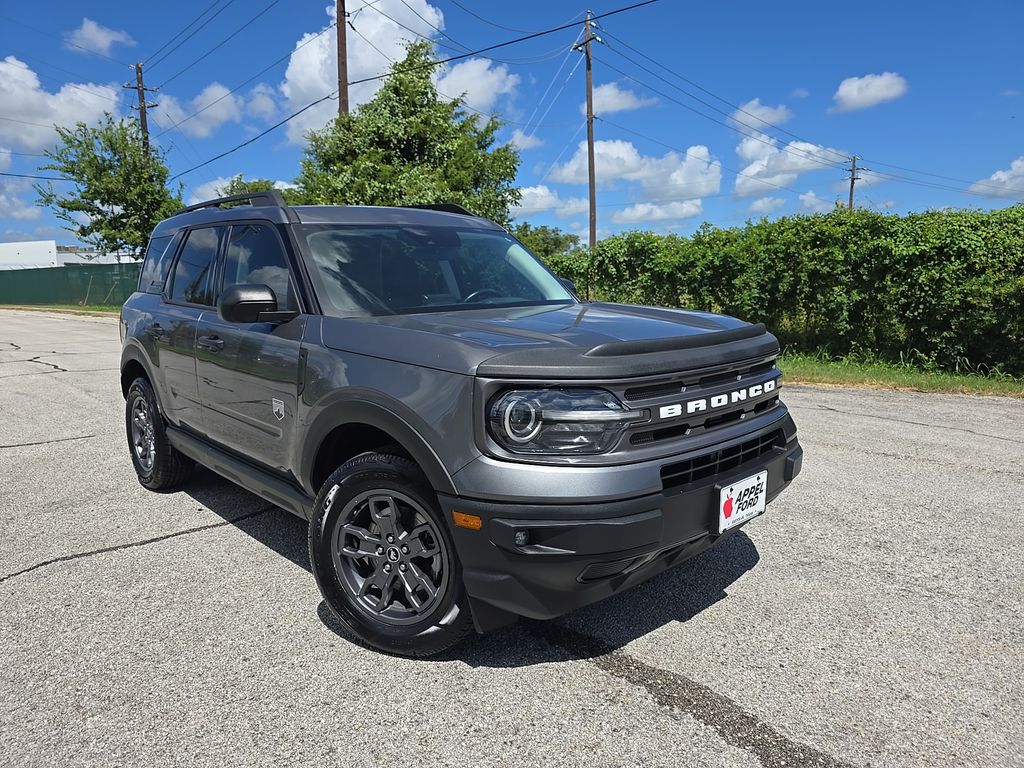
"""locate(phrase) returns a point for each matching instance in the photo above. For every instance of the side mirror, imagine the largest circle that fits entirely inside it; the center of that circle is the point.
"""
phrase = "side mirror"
(250, 304)
(569, 285)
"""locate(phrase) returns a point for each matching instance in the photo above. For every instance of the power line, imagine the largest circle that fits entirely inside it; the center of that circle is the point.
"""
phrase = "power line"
(260, 135)
(767, 141)
(790, 133)
(494, 47)
(701, 88)
(23, 154)
(33, 176)
(192, 23)
(195, 61)
(193, 33)
(402, 71)
(433, 27)
(686, 153)
(246, 82)
(492, 23)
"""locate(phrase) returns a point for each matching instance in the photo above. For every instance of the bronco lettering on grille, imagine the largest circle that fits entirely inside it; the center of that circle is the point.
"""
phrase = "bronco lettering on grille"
(717, 401)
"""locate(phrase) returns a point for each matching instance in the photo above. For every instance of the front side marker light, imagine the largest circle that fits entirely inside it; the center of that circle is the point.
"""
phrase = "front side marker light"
(462, 520)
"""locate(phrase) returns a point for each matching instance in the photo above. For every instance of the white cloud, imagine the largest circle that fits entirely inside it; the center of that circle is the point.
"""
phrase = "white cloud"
(5, 159)
(34, 110)
(869, 90)
(609, 98)
(752, 117)
(1008, 183)
(218, 106)
(640, 212)
(815, 204)
(96, 38)
(479, 82)
(208, 190)
(771, 166)
(12, 205)
(261, 103)
(522, 141)
(800, 93)
(767, 204)
(542, 198)
(1011, 92)
(695, 175)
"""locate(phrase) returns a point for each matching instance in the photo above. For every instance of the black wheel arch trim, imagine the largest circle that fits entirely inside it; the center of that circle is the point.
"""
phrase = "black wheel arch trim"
(354, 411)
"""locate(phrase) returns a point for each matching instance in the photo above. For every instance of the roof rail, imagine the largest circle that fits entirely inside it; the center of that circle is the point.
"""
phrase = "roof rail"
(444, 207)
(267, 197)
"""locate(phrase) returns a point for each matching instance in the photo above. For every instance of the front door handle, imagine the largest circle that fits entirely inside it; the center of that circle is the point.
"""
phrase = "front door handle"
(211, 343)
(156, 331)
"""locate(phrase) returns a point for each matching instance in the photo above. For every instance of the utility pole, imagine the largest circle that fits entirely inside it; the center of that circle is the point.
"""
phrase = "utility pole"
(588, 38)
(140, 87)
(853, 178)
(342, 18)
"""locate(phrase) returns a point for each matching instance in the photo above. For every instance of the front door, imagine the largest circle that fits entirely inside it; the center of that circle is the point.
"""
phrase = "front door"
(249, 373)
(187, 296)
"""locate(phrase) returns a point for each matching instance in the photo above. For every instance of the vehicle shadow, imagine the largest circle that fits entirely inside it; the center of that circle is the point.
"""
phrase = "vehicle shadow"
(676, 595)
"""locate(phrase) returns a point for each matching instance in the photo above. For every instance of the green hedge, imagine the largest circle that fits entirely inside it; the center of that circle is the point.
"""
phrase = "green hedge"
(944, 289)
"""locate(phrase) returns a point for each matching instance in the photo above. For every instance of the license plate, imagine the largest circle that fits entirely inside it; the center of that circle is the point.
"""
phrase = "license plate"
(740, 501)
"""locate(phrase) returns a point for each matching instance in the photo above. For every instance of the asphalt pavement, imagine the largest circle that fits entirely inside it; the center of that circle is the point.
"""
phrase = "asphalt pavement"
(874, 616)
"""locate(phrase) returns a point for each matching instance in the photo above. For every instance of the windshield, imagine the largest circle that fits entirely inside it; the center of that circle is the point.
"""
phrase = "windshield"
(387, 269)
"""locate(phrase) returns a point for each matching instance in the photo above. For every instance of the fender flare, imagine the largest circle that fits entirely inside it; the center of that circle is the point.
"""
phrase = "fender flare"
(357, 411)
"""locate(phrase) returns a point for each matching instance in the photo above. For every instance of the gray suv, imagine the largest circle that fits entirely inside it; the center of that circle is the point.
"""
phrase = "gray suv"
(469, 441)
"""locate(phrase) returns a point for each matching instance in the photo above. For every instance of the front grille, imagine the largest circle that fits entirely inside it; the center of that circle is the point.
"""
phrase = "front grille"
(720, 461)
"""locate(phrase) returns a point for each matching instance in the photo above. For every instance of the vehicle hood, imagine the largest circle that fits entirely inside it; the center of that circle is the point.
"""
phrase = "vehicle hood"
(565, 341)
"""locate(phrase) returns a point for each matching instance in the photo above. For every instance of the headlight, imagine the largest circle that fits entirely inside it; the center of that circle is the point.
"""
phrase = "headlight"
(558, 420)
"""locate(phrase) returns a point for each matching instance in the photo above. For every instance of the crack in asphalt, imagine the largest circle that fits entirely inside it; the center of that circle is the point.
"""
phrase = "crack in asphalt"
(131, 544)
(11, 343)
(37, 361)
(61, 370)
(925, 460)
(47, 442)
(734, 725)
(945, 427)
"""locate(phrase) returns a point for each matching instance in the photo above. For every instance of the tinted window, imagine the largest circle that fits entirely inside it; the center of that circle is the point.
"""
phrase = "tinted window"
(381, 270)
(191, 282)
(254, 255)
(154, 268)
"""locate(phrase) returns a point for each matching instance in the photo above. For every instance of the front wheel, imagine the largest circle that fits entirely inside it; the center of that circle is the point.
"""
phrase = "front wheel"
(384, 560)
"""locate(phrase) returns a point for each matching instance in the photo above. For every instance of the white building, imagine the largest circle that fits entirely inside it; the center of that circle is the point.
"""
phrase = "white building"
(28, 255)
(33, 254)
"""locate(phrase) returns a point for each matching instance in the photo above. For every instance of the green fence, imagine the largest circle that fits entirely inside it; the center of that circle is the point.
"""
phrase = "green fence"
(75, 284)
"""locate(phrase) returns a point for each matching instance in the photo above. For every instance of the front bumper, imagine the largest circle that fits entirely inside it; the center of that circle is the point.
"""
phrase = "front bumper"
(579, 552)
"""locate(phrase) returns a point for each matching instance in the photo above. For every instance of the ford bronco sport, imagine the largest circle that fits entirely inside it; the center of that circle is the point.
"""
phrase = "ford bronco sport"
(468, 440)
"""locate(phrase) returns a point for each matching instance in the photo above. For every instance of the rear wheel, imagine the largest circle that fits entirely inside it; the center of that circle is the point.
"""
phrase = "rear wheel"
(384, 560)
(158, 464)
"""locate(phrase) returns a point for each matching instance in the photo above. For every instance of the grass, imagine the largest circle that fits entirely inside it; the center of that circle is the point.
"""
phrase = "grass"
(74, 309)
(801, 368)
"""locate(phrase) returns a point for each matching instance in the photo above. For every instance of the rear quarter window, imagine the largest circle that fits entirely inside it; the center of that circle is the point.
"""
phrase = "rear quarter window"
(157, 262)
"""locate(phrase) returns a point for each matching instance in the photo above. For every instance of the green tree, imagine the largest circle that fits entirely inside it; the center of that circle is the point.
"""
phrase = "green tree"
(408, 146)
(544, 241)
(239, 186)
(120, 191)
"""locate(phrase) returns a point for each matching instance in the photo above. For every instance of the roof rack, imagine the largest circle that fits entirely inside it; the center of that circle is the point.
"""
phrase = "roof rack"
(443, 207)
(267, 197)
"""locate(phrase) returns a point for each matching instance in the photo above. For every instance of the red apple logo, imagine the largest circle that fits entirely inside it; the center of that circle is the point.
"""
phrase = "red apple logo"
(727, 506)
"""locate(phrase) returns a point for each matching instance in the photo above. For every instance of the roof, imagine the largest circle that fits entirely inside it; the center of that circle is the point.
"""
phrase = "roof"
(270, 206)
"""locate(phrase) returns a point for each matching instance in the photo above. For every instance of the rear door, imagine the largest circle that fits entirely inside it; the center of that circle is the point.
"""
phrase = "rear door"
(249, 373)
(187, 294)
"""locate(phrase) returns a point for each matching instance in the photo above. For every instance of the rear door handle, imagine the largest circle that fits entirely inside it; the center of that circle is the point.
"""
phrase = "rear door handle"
(211, 343)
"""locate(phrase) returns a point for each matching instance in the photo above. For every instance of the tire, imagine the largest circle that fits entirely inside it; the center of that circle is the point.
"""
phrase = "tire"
(404, 595)
(159, 465)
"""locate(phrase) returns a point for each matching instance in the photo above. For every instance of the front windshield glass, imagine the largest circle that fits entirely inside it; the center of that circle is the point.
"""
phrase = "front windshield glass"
(390, 269)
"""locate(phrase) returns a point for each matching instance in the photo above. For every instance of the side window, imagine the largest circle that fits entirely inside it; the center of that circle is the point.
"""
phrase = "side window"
(254, 255)
(191, 282)
(154, 268)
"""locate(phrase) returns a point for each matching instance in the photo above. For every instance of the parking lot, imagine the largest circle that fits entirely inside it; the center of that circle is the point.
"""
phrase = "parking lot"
(873, 617)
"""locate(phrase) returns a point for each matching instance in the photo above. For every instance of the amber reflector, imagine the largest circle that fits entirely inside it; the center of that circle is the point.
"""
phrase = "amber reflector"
(473, 522)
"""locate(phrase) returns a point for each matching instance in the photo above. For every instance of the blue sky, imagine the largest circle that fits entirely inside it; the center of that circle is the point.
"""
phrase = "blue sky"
(788, 89)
